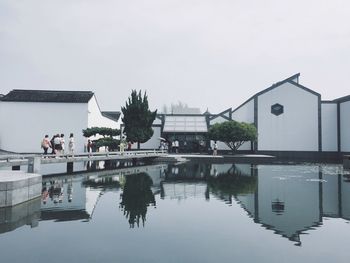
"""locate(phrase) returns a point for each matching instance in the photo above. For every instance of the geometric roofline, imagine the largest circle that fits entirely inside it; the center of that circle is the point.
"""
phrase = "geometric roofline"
(112, 115)
(53, 96)
(222, 114)
(342, 99)
(287, 80)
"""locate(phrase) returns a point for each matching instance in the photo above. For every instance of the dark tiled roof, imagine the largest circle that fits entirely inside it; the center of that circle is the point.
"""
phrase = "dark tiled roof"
(113, 115)
(48, 96)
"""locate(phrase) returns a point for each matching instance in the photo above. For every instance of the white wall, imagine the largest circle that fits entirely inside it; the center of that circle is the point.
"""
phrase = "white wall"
(96, 119)
(154, 142)
(345, 126)
(294, 130)
(24, 124)
(329, 127)
(245, 114)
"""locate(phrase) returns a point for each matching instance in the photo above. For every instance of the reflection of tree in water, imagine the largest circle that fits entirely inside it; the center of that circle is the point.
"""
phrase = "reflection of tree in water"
(137, 195)
(232, 183)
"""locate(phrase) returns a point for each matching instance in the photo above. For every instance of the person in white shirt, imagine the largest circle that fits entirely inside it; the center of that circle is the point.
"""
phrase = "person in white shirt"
(71, 144)
(215, 147)
(62, 143)
(176, 146)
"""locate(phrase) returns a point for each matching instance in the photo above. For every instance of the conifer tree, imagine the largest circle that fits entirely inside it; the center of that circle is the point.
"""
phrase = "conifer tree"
(138, 118)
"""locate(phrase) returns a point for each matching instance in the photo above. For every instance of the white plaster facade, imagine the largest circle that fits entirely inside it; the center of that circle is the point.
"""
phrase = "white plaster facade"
(245, 114)
(329, 127)
(296, 129)
(96, 119)
(345, 126)
(24, 124)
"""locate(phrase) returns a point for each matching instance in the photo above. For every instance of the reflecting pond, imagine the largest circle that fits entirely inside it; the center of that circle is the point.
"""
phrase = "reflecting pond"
(192, 212)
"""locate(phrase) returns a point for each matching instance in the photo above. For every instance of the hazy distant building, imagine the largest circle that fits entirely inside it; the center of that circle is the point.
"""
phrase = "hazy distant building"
(27, 115)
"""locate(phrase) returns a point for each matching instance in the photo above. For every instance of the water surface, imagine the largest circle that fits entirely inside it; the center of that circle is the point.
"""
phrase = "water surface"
(194, 212)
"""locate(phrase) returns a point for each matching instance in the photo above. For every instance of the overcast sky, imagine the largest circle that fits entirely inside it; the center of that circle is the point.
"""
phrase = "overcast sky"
(206, 53)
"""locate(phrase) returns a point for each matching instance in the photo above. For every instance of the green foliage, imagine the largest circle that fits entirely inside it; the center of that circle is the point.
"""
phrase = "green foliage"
(137, 196)
(137, 118)
(103, 131)
(111, 143)
(231, 184)
(233, 133)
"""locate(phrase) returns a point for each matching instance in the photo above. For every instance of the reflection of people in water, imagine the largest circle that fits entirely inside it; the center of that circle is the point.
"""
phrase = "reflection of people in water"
(56, 191)
(70, 190)
(44, 194)
(137, 196)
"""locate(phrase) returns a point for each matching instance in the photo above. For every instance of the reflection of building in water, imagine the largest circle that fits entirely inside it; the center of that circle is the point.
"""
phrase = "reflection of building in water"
(192, 179)
(66, 199)
(183, 190)
(293, 199)
(287, 199)
(187, 171)
(13, 217)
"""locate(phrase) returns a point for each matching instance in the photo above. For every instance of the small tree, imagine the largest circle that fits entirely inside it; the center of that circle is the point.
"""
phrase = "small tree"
(106, 140)
(233, 133)
(138, 118)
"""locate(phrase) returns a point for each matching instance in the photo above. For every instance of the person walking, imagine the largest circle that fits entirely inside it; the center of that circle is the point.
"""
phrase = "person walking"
(122, 145)
(177, 146)
(52, 142)
(89, 147)
(45, 144)
(63, 142)
(215, 147)
(57, 144)
(71, 144)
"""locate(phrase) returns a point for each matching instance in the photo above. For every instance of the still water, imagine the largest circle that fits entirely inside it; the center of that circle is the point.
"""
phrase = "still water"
(192, 212)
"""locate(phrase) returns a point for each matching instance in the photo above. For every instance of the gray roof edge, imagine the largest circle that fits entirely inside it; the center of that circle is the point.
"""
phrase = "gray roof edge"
(109, 115)
(21, 95)
(287, 80)
(221, 114)
(342, 99)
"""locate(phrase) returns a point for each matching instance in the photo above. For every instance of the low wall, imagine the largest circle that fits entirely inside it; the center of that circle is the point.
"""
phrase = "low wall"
(17, 187)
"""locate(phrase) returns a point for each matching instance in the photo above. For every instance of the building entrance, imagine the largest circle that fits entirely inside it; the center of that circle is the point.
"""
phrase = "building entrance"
(188, 143)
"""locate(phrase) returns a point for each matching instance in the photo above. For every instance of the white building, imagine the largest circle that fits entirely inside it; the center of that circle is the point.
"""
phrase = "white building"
(293, 120)
(26, 116)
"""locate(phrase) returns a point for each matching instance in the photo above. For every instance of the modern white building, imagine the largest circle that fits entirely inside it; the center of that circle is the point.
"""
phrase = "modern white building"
(291, 120)
(26, 116)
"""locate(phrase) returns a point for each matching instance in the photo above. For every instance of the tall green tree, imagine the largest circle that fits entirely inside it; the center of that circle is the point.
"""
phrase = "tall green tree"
(138, 118)
(233, 133)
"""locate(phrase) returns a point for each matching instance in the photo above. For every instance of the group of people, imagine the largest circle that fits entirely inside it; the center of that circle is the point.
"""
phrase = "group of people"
(173, 147)
(58, 144)
(169, 146)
